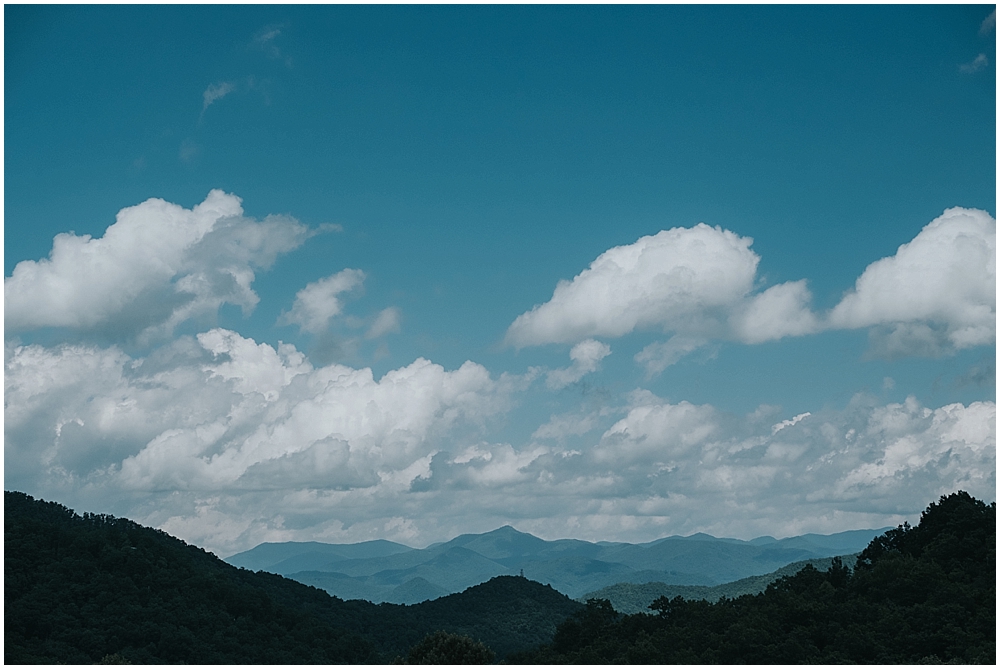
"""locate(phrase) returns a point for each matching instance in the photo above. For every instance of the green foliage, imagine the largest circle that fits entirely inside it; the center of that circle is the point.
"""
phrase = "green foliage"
(508, 613)
(98, 588)
(445, 648)
(924, 594)
(114, 658)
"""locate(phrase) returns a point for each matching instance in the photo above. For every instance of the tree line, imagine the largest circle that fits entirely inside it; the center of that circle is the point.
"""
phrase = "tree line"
(917, 595)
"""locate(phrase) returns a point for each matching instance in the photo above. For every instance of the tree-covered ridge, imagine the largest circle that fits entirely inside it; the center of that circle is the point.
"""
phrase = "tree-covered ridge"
(924, 594)
(81, 588)
(636, 597)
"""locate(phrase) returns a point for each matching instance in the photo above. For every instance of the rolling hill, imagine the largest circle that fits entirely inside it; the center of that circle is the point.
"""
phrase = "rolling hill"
(390, 572)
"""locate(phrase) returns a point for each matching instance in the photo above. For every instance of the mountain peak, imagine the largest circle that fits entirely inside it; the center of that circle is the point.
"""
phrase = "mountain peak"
(508, 530)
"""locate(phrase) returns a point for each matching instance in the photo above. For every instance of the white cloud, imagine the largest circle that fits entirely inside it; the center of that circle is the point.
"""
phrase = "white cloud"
(480, 467)
(371, 425)
(937, 293)
(216, 92)
(158, 265)
(387, 321)
(694, 282)
(658, 432)
(564, 425)
(265, 40)
(976, 64)
(266, 35)
(657, 356)
(955, 443)
(778, 427)
(229, 442)
(585, 356)
(780, 311)
(318, 302)
(989, 24)
(683, 279)
(223, 415)
(669, 460)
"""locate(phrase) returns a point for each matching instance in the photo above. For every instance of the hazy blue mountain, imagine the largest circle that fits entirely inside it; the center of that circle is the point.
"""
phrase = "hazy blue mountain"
(267, 555)
(414, 591)
(379, 571)
(344, 586)
(716, 561)
(574, 575)
(842, 541)
(454, 569)
(636, 597)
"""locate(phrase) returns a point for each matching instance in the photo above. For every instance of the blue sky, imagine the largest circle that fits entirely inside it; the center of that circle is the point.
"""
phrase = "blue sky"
(495, 210)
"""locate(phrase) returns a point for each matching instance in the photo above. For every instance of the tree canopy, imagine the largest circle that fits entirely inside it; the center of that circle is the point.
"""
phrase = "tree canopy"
(924, 594)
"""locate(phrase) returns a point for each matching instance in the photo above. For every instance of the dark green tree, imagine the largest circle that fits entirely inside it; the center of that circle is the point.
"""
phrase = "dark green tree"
(447, 648)
(921, 594)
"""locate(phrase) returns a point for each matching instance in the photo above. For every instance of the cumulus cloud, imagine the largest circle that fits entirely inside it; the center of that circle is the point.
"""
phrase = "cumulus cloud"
(679, 279)
(684, 468)
(585, 356)
(976, 64)
(867, 457)
(657, 432)
(936, 294)
(780, 311)
(158, 265)
(221, 412)
(954, 443)
(387, 424)
(230, 442)
(695, 282)
(319, 301)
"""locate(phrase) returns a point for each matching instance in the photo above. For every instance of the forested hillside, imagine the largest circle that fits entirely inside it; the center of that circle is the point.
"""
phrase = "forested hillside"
(924, 594)
(79, 589)
(636, 597)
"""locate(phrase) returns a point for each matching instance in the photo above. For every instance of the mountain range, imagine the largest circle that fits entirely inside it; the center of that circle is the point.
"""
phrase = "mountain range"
(385, 571)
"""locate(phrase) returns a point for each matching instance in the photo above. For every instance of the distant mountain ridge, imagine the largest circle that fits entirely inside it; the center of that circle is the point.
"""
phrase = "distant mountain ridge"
(635, 598)
(385, 571)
